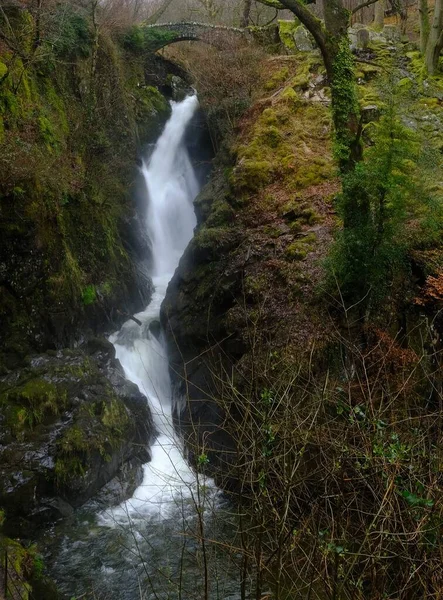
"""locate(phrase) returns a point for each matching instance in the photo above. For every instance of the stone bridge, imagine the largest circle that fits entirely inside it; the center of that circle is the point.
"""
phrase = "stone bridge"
(163, 34)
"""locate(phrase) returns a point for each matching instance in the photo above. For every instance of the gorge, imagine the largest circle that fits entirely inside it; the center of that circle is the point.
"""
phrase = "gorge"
(221, 300)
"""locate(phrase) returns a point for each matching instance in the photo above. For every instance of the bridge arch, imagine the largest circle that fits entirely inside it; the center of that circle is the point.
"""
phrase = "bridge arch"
(160, 35)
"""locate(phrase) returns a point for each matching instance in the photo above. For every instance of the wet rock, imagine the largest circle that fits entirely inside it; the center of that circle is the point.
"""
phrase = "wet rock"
(155, 328)
(69, 423)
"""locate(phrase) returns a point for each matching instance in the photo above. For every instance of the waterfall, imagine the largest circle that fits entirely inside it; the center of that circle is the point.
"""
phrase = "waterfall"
(126, 552)
(171, 187)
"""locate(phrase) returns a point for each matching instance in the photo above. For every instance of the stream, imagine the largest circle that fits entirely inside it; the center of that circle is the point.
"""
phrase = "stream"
(148, 547)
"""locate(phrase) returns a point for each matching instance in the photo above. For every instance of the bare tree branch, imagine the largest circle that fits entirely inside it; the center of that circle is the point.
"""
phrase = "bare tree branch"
(363, 5)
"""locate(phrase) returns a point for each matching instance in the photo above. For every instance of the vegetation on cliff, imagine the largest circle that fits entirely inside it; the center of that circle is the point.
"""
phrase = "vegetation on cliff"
(304, 322)
(66, 104)
(314, 379)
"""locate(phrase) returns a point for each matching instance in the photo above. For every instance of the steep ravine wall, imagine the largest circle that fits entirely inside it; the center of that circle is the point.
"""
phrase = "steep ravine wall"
(245, 287)
(74, 264)
(249, 294)
(72, 246)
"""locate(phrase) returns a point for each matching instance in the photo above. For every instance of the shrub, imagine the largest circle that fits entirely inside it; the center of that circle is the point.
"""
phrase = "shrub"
(69, 34)
(382, 204)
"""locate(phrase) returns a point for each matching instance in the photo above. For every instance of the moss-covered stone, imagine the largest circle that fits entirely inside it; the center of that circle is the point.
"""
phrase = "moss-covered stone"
(277, 79)
(27, 405)
(70, 421)
(299, 249)
(286, 31)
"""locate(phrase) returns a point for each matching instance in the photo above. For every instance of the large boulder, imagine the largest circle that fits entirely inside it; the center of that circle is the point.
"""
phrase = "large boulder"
(392, 33)
(303, 40)
(70, 422)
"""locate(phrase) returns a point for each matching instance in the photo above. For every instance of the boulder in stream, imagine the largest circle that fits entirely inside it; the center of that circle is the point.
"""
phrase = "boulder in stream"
(70, 423)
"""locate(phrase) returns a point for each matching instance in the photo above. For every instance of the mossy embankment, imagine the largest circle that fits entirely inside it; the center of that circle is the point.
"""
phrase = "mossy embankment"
(74, 113)
(249, 277)
(252, 286)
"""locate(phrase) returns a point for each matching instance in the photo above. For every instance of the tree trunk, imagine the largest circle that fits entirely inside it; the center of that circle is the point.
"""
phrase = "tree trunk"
(246, 14)
(339, 63)
(425, 26)
(435, 40)
(379, 19)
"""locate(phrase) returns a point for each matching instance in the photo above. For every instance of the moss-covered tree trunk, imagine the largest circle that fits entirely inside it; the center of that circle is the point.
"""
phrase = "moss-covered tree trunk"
(435, 40)
(423, 10)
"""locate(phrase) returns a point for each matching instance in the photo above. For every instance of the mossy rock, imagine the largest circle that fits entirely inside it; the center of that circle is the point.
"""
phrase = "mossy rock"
(251, 175)
(83, 421)
(299, 249)
(290, 96)
(286, 31)
(277, 79)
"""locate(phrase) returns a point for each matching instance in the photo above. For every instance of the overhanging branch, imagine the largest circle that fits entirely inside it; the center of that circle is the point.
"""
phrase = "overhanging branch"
(363, 5)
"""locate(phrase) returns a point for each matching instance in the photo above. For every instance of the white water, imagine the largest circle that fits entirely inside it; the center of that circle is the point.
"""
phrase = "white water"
(171, 187)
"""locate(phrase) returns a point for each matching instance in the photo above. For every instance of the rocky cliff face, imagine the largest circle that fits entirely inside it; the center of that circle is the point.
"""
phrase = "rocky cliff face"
(73, 257)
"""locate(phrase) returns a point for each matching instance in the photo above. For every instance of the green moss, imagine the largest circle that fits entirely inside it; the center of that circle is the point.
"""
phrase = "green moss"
(291, 96)
(405, 84)
(73, 441)
(3, 70)
(277, 79)
(417, 65)
(89, 295)
(286, 31)
(47, 132)
(212, 237)
(300, 213)
(271, 231)
(68, 468)
(251, 175)
(430, 102)
(221, 214)
(56, 104)
(115, 416)
(299, 249)
(305, 69)
(144, 39)
(366, 71)
(100, 427)
(269, 117)
(28, 404)
(271, 136)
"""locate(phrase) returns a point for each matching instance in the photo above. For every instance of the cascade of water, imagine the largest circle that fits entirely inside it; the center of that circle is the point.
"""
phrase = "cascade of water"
(129, 549)
(171, 188)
